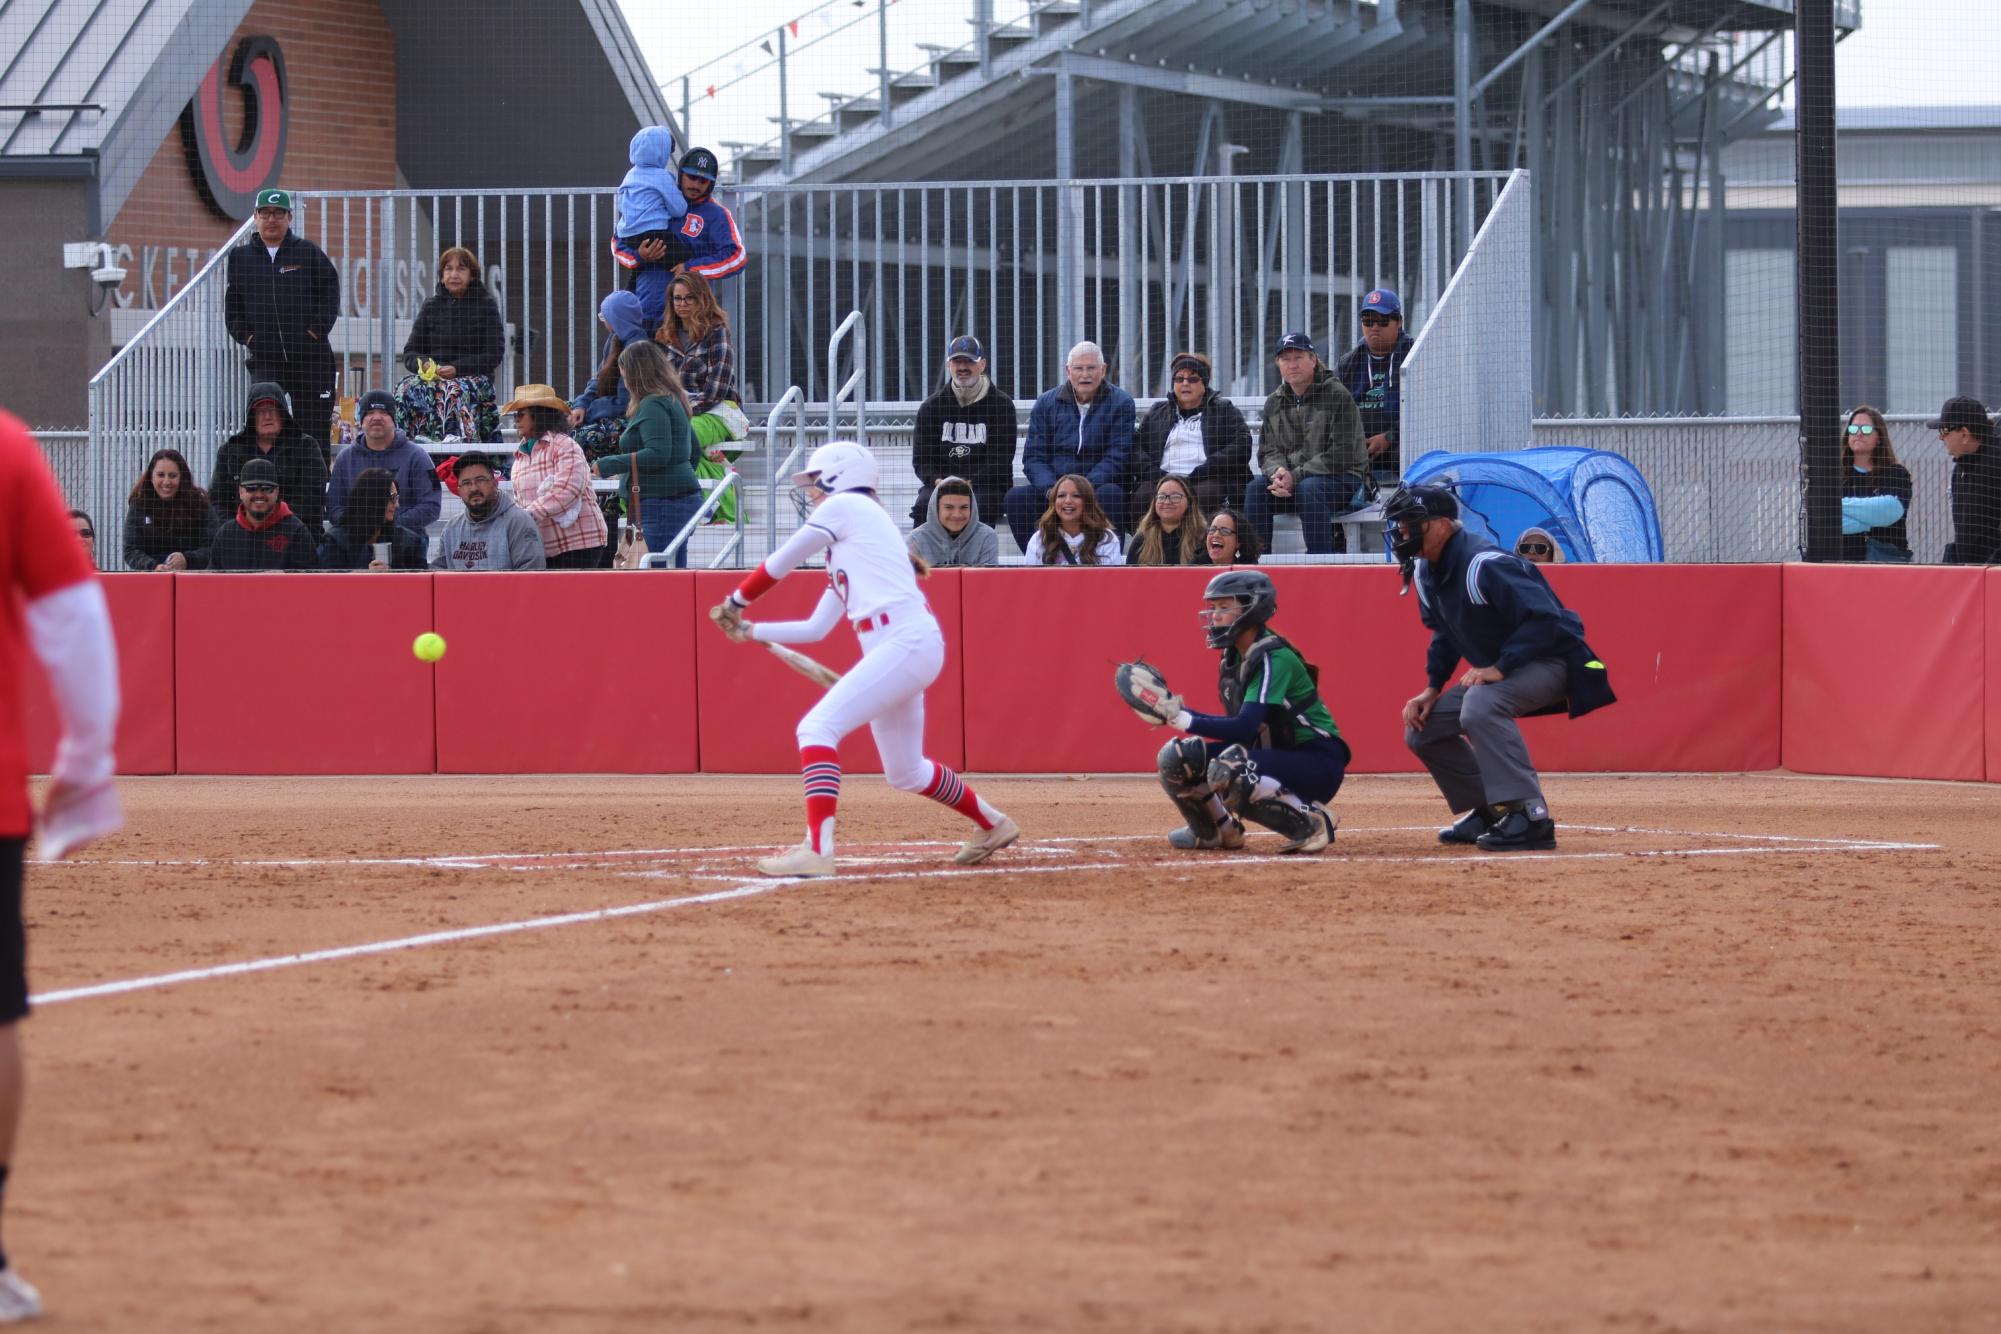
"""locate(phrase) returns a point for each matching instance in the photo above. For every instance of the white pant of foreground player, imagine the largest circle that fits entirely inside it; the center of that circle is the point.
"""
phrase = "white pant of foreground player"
(886, 691)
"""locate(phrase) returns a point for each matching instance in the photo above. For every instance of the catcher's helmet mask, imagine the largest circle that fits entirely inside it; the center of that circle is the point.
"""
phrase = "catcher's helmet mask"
(1256, 599)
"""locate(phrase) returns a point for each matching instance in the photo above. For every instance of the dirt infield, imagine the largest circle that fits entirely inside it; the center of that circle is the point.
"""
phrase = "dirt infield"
(1726, 1061)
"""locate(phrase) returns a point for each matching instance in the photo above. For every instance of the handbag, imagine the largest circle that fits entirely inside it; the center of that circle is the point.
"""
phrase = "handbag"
(631, 538)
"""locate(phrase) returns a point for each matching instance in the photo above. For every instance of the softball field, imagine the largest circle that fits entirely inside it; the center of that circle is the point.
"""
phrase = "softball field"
(519, 1054)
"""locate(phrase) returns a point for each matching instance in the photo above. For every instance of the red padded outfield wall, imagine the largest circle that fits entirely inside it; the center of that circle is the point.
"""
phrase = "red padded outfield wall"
(142, 619)
(1826, 669)
(1694, 657)
(1887, 671)
(1993, 693)
(304, 674)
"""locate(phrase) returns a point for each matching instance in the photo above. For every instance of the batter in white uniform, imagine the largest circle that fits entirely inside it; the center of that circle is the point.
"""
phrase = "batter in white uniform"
(871, 582)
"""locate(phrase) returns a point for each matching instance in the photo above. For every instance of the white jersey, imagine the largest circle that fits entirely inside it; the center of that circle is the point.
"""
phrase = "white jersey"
(868, 566)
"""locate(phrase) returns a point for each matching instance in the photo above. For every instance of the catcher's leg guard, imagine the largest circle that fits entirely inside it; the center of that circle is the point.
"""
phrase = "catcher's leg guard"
(1184, 775)
(1266, 801)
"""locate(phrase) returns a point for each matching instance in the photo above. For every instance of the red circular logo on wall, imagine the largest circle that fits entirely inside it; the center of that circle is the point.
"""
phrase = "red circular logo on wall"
(231, 175)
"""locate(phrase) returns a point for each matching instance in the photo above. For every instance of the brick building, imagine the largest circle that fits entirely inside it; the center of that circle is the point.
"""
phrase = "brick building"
(151, 134)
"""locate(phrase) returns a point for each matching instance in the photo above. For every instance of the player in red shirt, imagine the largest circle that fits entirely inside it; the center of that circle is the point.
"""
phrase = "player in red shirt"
(53, 603)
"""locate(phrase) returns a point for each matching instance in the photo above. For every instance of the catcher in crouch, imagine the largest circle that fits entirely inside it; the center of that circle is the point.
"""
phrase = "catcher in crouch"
(1274, 756)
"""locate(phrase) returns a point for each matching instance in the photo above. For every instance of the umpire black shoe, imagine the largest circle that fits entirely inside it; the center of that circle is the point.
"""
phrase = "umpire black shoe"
(1520, 832)
(1468, 827)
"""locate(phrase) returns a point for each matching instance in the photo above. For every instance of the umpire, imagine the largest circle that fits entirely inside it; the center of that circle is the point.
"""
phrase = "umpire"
(1525, 655)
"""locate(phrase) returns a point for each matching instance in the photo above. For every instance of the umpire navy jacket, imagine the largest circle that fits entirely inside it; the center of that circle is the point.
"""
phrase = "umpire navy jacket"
(1495, 609)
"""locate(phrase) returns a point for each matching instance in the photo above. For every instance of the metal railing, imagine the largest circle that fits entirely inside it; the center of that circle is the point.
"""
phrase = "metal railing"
(853, 389)
(664, 558)
(178, 384)
(792, 404)
(1219, 264)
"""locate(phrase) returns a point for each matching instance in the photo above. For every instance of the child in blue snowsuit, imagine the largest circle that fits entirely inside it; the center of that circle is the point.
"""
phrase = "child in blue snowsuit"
(650, 204)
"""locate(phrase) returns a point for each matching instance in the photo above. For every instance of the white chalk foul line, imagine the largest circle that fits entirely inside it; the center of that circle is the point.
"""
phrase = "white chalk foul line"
(740, 890)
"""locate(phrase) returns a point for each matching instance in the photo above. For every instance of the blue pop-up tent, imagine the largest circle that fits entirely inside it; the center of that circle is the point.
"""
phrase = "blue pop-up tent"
(1597, 505)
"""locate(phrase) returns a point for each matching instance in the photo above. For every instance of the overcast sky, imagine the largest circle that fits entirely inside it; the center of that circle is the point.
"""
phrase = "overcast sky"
(1909, 52)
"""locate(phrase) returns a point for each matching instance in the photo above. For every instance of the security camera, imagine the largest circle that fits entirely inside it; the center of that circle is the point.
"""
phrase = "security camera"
(107, 276)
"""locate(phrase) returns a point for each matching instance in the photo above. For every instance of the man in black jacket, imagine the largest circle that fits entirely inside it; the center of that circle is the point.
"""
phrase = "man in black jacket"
(263, 534)
(1967, 433)
(966, 429)
(270, 433)
(1373, 374)
(1194, 433)
(282, 301)
(1524, 652)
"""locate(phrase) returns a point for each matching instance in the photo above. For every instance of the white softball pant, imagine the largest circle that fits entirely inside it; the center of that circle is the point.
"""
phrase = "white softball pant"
(886, 691)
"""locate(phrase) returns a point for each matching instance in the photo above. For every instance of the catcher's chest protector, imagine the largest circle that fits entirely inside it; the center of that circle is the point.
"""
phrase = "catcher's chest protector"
(1233, 680)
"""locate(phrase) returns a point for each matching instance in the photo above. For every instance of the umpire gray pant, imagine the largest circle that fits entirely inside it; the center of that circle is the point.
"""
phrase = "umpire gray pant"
(1495, 767)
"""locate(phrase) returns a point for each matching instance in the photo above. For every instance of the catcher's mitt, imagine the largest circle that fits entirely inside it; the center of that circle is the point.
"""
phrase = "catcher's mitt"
(729, 619)
(1140, 685)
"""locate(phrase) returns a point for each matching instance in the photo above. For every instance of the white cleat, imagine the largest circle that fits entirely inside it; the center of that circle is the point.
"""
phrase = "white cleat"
(18, 1298)
(801, 862)
(986, 843)
(1322, 835)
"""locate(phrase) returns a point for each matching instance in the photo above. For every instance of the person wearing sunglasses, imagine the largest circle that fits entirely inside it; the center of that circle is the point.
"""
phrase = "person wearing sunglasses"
(1875, 492)
(1372, 372)
(1194, 433)
(1967, 433)
(265, 534)
(1539, 547)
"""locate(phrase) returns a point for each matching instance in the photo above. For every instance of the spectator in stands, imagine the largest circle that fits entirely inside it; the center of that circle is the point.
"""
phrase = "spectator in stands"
(650, 205)
(270, 433)
(168, 525)
(86, 533)
(1312, 454)
(1875, 492)
(367, 535)
(493, 533)
(1372, 373)
(1967, 433)
(1173, 531)
(264, 534)
(282, 300)
(706, 241)
(382, 445)
(952, 533)
(453, 350)
(695, 335)
(1194, 433)
(552, 482)
(1084, 427)
(660, 449)
(1538, 546)
(1229, 540)
(967, 429)
(597, 414)
(1074, 530)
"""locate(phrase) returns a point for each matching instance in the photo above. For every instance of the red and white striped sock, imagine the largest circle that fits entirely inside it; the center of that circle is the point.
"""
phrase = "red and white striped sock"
(820, 767)
(949, 789)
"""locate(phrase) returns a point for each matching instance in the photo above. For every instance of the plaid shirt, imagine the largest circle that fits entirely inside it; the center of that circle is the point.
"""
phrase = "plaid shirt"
(707, 370)
(552, 484)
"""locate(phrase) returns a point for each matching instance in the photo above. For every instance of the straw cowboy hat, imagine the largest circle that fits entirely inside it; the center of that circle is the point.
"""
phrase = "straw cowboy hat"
(535, 396)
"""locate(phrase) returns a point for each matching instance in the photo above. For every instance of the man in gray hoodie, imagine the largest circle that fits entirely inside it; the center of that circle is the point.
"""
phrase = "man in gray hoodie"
(952, 533)
(494, 533)
(382, 445)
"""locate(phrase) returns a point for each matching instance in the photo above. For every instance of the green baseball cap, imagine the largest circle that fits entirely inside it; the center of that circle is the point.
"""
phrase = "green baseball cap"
(273, 197)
